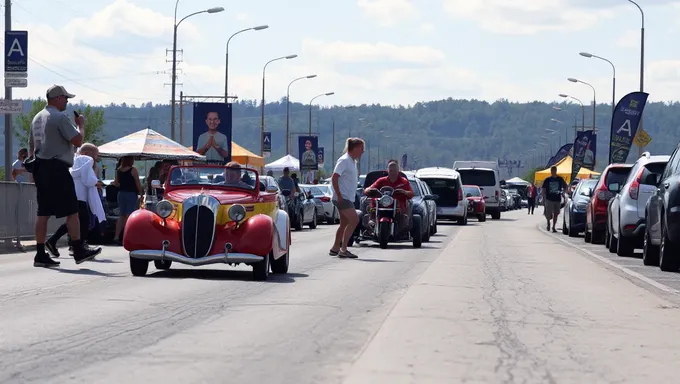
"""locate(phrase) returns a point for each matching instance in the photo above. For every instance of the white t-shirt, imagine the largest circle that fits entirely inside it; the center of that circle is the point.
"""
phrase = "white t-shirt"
(346, 167)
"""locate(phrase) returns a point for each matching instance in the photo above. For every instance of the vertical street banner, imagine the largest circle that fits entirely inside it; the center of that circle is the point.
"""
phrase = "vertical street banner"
(308, 148)
(591, 153)
(267, 144)
(625, 122)
(581, 145)
(212, 131)
(561, 154)
(320, 157)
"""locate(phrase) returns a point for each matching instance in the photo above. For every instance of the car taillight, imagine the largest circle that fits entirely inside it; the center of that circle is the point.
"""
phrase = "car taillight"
(325, 199)
(496, 195)
(460, 194)
(634, 189)
(602, 194)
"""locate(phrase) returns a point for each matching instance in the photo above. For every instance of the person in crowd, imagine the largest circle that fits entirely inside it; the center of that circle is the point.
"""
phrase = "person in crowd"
(154, 174)
(19, 173)
(287, 182)
(397, 182)
(344, 181)
(554, 188)
(130, 193)
(233, 178)
(531, 198)
(89, 201)
(52, 140)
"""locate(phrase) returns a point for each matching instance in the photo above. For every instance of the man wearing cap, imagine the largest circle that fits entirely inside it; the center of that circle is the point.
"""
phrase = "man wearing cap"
(52, 139)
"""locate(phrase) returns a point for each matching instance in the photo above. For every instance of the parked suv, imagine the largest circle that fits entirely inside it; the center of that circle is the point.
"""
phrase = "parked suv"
(626, 213)
(662, 235)
(608, 186)
(574, 213)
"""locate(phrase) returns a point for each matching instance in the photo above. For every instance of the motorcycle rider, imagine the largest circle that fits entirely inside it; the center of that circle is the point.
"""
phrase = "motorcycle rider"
(402, 191)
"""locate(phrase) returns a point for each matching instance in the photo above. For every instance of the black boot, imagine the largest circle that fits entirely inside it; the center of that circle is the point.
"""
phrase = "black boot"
(42, 259)
(83, 253)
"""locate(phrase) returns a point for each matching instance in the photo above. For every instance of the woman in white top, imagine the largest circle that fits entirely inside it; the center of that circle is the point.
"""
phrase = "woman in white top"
(344, 182)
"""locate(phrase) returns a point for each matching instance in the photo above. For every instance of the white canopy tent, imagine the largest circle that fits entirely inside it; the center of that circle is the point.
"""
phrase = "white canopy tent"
(517, 180)
(287, 161)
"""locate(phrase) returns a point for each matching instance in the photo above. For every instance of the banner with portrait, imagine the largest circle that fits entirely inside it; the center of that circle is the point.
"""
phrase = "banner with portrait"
(581, 151)
(308, 149)
(320, 157)
(212, 131)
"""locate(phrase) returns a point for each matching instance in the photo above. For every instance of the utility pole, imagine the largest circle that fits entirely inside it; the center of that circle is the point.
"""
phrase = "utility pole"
(333, 150)
(8, 96)
(181, 116)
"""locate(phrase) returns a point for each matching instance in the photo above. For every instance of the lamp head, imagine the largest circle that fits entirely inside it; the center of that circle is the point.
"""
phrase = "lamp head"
(563, 95)
(311, 76)
(260, 27)
(330, 93)
(572, 80)
(290, 56)
(586, 54)
(215, 10)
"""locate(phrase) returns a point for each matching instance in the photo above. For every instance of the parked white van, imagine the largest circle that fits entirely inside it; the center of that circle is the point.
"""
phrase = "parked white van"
(483, 174)
(446, 183)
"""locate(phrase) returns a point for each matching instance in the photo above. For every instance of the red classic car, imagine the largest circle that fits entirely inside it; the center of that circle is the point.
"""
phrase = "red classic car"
(476, 203)
(211, 214)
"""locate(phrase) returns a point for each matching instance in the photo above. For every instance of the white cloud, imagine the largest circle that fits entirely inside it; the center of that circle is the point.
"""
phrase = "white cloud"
(629, 39)
(523, 17)
(388, 12)
(427, 29)
(340, 51)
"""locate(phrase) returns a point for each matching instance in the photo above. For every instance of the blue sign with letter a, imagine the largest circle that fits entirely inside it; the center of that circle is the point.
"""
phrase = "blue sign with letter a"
(16, 51)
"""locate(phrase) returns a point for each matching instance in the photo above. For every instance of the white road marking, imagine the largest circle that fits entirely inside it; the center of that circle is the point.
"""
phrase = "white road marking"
(618, 266)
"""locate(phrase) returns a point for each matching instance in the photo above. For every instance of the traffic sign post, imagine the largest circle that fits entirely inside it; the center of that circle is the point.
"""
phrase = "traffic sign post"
(16, 51)
(9, 107)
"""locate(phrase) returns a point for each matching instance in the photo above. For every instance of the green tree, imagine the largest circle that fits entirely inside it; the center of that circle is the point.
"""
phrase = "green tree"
(94, 123)
(2, 173)
(22, 124)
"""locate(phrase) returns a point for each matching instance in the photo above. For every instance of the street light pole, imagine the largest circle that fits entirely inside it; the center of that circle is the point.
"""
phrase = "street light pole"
(262, 117)
(586, 54)
(310, 108)
(288, 110)
(594, 103)
(642, 60)
(226, 66)
(583, 114)
(174, 61)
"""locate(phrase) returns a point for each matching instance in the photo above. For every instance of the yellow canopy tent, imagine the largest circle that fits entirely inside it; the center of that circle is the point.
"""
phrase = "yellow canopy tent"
(244, 156)
(564, 170)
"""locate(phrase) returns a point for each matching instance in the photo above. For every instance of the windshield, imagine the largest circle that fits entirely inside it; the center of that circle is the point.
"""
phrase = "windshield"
(218, 176)
(479, 177)
(414, 187)
(617, 175)
(472, 191)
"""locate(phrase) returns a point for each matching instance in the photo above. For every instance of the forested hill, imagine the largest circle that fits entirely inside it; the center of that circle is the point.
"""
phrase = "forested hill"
(431, 133)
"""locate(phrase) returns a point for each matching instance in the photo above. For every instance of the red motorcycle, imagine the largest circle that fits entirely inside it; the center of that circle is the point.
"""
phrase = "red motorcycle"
(381, 219)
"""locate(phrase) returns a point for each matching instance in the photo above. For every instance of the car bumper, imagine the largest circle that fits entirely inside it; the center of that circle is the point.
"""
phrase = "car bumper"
(221, 258)
(451, 212)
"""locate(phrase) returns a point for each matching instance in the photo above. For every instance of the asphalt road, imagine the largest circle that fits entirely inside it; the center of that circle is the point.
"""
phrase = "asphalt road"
(494, 302)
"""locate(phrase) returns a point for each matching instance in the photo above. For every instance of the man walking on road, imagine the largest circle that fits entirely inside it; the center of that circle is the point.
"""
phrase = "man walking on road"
(344, 181)
(553, 189)
(531, 198)
(52, 139)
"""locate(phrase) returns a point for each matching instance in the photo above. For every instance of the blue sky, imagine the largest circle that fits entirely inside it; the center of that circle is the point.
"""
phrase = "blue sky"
(366, 51)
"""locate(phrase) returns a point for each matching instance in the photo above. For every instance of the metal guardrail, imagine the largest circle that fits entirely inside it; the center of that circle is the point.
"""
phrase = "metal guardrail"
(18, 210)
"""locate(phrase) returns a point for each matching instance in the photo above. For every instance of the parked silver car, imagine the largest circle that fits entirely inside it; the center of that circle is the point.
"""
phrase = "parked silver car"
(321, 195)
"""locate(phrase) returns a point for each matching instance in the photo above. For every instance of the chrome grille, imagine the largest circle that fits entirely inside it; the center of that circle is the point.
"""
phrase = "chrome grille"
(199, 217)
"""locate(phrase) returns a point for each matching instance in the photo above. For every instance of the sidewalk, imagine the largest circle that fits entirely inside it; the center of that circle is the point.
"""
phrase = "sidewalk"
(505, 302)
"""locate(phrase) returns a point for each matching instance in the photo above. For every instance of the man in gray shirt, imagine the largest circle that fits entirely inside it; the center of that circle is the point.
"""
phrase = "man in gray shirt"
(52, 140)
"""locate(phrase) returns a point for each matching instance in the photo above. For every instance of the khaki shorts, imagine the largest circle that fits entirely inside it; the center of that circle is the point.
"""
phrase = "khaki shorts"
(551, 208)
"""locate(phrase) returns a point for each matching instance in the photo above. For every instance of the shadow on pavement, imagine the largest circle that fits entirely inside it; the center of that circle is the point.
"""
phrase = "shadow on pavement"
(106, 261)
(376, 260)
(215, 274)
(85, 272)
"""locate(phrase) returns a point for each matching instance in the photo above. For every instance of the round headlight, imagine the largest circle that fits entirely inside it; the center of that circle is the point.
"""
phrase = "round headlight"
(164, 208)
(237, 212)
(386, 200)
